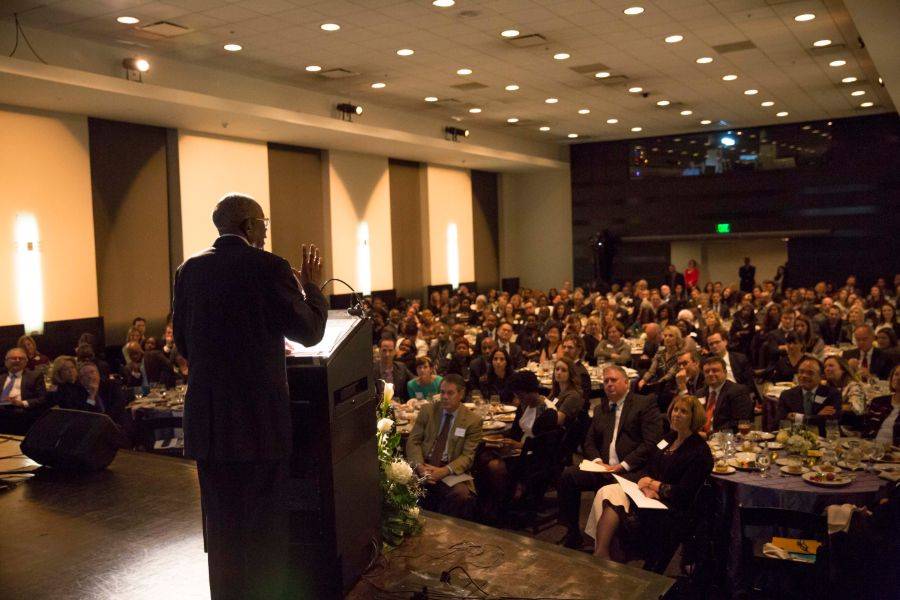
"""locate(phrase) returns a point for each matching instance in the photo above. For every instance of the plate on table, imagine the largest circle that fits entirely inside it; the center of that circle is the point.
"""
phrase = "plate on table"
(827, 469)
(507, 418)
(493, 437)
(787, 471)
(787, 460)
(861, 466)
(761, 436)
(743, 465)
(775, 446)
(493, 425)
(507, 408)
(728, 470)
(827, 479)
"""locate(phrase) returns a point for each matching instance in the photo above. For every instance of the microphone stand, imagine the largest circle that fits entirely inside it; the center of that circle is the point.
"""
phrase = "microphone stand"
(357, 310)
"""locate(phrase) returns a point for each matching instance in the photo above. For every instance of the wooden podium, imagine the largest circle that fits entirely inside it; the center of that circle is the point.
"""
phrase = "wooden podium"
(335, 496)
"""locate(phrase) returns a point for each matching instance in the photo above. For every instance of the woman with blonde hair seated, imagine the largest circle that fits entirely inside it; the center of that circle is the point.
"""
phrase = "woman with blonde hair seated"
(676, 470)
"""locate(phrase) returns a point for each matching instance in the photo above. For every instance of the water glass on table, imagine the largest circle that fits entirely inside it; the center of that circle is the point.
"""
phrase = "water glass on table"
(853, 457)
(832, 430)
(764, 461)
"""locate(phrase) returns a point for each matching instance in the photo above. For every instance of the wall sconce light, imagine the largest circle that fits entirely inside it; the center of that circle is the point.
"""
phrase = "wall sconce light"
(29, 273)
(134, 67)
(453, 255)
(347, 110)
(454, 133)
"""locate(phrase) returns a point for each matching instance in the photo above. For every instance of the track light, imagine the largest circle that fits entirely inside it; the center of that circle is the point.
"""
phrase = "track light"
(134, 66)
(347, 110)
(454, 133)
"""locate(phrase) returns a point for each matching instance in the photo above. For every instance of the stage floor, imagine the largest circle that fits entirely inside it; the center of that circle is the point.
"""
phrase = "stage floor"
(133, 531)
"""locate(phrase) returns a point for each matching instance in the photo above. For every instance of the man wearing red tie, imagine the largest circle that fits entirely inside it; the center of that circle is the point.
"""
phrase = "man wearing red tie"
(727, 403)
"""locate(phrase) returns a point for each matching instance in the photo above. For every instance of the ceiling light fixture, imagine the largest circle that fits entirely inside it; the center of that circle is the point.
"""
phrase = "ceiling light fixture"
(674, 39)
(512, 120)
(464, 71)
(636, 129)
(405, 52)
(584, 111)
(551, 100)
(572, 136)
(704, 60)
(858, 93)
(512, 87)
(347, 110)
(804, 17)
(686, 113)
(612, 121)
(636, 89)
(867, 104)
(313, 68)
(837, 63)
(510, 33)
(633, 10)
(378, 85)
(543, 128)
(705, 122)
(729, 77)
(767, 103)
(444, 3)
(783, 113)
(475, 110)
(233, 47)
(329, 26)
(663, 103)
(562, 55)
(454, 133)
(431, 99)
(848, 80)
(751, 92)
(601, 74)
(128, 20)
(821, 43)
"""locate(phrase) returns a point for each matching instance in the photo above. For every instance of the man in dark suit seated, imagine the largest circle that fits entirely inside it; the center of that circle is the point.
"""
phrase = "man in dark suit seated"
(726, 402)
(737, 365)
(93, 394)
(441, 447)
(504, 342)
(22, 394)
(481, 364)
(621, 437)
(869, 360)
(775, 343)
(389, 370)
(234, 305)
(573, 348)
(817, 403)
(689, 378)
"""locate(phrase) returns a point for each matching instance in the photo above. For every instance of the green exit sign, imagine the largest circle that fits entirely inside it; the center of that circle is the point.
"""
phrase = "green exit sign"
(723, 228)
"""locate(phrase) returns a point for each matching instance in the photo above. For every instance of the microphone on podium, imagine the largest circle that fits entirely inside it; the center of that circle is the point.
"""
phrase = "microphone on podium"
(357, 309)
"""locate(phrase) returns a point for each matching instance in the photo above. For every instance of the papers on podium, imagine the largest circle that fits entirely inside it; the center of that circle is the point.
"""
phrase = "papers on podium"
(637, 496)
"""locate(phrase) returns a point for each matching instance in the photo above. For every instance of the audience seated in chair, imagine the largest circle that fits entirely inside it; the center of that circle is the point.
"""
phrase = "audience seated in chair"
(22, 394)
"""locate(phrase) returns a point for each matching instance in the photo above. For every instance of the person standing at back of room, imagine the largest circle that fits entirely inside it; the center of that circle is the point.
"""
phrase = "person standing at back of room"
(234, 304)
(747, 275)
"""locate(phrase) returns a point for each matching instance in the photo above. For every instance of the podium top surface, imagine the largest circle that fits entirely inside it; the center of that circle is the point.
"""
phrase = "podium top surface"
(337, 328)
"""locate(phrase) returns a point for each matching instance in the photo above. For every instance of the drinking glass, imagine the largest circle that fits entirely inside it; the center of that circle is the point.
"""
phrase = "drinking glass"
(744, 427)
(853, 457)
(785, 425)
(878, 450)
(763, 461)
(832, 430)
(867, 449)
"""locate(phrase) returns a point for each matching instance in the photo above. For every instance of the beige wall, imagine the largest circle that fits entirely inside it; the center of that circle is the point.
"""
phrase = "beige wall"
(209, 168)
(45, 170)
(448, 199)
(536, 228)
(720, 260)
(358, 190)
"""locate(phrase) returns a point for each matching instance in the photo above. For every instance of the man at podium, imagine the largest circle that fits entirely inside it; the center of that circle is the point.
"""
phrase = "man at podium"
(234, 304)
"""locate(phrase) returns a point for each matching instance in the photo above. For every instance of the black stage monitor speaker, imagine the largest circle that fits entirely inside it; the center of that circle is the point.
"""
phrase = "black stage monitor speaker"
(74, 440)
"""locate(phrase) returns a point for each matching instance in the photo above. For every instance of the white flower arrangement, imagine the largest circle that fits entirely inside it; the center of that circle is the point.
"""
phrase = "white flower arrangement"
(385, 425)
(399, 471)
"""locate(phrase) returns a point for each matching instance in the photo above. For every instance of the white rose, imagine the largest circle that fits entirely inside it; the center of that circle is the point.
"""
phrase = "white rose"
(414, 512)
(384, 425)
(399, 471)
(388, 392)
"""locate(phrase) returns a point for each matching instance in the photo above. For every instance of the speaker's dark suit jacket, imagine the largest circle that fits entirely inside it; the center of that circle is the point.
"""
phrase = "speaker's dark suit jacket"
(880, 364)
(234, 305)
(732, 405)
(640, 428)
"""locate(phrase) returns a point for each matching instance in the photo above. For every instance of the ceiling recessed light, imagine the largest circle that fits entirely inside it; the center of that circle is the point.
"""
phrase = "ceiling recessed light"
(562, 55)
(512, 120)
(475, 110)
(601, 74)
(313, 68)
(612, 121)
(674, 39)
(867, 104)
(821, 43)
(572, 135)
(636, 90)
(584, 111)
(804, 17)
(837, 63)
(512, 87)
(444, 3)
(636, 129)
(705, 122)
(767, 103)
(729, 77)
(431, 99)
(464, 71)
(686, 113)
(663, 103)
(705, 60)
(848, 80)
(783, 113)
(406, 52)
(544, 128)
(633, 10)
(378, 85)
(510, 33)
(751, 92)
(128, 20)
(329, 26)
(551, 100)
(233, 47)
(858, 93)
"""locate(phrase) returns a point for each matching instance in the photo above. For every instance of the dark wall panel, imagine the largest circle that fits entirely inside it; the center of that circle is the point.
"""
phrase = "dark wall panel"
(295, 200)
(131, 224)
(406, 228)
(485, 216)
(849, 188)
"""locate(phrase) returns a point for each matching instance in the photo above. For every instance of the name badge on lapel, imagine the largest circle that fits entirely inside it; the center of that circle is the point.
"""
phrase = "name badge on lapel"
(702, 401)
(662, 444)
(460, 432)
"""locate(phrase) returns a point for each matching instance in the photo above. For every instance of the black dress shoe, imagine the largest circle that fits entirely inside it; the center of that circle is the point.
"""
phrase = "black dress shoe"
(572, 540)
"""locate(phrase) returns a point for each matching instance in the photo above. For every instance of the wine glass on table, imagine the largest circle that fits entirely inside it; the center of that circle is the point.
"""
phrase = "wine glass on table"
(853, 457)
(763, 461)
(495, 404)
(867, 449)
(744, 428)
(878, 450)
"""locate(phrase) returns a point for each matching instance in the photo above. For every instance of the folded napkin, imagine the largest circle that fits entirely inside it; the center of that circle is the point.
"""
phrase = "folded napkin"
(893, 476)
(839, 517)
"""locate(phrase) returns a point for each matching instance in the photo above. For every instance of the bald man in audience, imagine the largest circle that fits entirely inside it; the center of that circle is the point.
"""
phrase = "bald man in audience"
(22, 394)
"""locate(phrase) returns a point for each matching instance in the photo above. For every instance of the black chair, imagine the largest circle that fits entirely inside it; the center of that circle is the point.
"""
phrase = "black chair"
(535, 470)
(778, 577)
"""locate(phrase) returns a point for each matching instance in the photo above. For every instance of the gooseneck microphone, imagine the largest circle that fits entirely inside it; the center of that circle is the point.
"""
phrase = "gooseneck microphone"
(357, 310)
